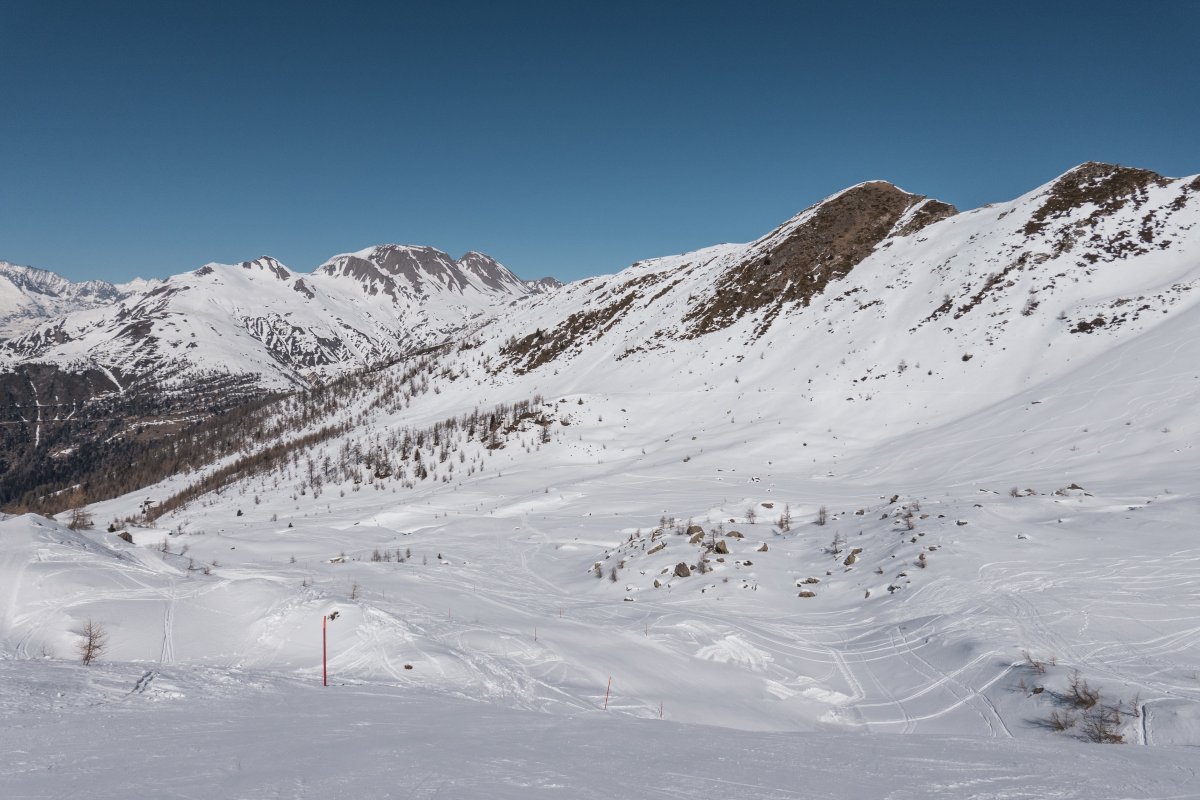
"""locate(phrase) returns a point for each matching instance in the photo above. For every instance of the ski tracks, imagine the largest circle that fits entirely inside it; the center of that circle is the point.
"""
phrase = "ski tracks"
(167, 654)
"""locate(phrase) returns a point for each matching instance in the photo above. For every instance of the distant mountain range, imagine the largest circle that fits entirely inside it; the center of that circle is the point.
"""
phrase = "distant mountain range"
(257, 318)
(29, 296)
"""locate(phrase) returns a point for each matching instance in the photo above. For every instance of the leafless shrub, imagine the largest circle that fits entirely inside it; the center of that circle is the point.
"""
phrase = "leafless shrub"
(80, 520)
(95, 640)
(822, 515)
(1034, 664)
(1080, 694)
(1101, 726)
(785, 519)
(1060, 720)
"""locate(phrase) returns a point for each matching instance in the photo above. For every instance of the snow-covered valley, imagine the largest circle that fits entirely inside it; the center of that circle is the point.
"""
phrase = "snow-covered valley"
(726, 548)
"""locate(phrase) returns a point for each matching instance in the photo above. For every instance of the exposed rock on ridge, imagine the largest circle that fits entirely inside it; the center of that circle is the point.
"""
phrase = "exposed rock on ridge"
(798, 259)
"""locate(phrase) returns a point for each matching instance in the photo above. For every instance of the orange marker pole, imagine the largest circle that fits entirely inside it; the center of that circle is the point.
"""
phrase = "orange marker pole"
(324, 653)
(606, 692)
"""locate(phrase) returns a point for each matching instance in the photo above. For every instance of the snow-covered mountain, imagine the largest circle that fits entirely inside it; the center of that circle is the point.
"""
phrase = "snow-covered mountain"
(284, 329)
(30, 296)
(889, 468)
(871, 259)
(874, 273)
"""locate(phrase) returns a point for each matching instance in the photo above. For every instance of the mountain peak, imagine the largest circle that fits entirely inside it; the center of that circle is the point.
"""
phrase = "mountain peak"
(1093, 170)
(1109, 187)
(491, 273)
(824, 242)
(420, 271)
(262, 264)
(415, 264)
(268, 264)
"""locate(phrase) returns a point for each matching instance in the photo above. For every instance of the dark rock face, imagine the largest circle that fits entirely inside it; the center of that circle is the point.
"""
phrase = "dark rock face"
(417, 264)
(923, 215)
(1109, 187)
(1071, 215)
(795, 265)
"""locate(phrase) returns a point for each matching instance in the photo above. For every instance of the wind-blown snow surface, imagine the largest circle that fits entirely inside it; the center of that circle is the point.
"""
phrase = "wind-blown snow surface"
(962, 618)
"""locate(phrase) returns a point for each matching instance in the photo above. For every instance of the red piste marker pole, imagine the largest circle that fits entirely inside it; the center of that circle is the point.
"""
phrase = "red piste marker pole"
(606, 692)
(324, 652)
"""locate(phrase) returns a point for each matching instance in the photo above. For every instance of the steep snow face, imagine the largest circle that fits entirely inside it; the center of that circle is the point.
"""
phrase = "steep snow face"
(30, 296)
(260, 318)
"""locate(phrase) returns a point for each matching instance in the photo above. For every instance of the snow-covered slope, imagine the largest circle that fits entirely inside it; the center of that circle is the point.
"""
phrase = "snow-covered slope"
(30, 296)
(888, 469)
(1100, 253)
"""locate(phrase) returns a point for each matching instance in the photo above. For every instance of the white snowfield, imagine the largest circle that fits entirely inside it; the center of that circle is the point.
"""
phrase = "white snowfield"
(1009, 508)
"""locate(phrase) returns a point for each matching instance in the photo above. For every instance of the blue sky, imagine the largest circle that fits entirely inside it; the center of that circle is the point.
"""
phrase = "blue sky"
(563, 138)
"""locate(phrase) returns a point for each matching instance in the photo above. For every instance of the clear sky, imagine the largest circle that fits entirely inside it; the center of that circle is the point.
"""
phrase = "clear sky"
(564, 138)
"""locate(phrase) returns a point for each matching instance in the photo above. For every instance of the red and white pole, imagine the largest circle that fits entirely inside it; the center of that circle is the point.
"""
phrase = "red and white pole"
(606, 692)
(324, 652)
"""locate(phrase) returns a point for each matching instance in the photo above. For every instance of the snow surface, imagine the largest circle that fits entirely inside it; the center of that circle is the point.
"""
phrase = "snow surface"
(1048, 485)
(198, 732)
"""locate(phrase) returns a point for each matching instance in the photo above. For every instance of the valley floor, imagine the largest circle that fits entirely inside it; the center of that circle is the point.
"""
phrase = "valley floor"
(977, 583)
